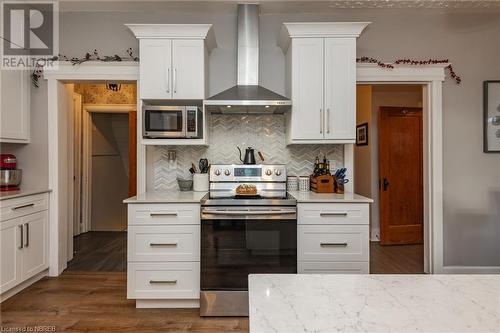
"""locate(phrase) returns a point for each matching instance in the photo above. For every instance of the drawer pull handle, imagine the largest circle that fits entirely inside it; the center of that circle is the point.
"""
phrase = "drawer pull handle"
(162, 214)
(162, 281)
(23, 206)
(21, 229)
(333, 214)
(333, 244)
(162, 244)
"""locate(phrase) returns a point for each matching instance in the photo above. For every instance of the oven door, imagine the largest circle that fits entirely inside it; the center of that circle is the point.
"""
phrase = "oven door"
(164, 122)
(238, 241)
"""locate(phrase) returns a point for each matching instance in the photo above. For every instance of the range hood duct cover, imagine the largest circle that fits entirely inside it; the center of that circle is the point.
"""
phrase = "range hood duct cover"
(248, 96)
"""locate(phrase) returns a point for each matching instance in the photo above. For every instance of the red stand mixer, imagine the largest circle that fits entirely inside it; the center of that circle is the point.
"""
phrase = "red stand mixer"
(10, 176)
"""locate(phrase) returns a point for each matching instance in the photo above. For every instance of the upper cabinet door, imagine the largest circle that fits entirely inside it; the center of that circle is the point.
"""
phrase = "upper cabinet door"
(340, 88)
(188, 65)
(156, 68)
(307, 89)
(14, 106)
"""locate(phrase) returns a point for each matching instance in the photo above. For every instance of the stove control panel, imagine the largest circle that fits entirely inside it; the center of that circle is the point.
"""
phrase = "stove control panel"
(248, 173)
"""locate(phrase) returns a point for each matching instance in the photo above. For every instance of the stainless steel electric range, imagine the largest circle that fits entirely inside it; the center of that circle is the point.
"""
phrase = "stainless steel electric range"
(242, 235)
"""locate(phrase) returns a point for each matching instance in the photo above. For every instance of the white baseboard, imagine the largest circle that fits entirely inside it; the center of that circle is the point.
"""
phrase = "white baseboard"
(23, 285)
(471, 270)
(167, 304)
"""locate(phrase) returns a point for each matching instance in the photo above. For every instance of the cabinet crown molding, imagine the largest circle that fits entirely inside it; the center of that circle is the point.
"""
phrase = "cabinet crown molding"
(175, 31)
(319, 29)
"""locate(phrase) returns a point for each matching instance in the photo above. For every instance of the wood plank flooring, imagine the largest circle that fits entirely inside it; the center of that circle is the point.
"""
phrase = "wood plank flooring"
(97, 302)
(396, 259)
(100, 251)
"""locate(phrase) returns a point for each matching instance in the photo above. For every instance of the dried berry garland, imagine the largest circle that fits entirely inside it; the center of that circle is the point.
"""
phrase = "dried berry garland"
(94, 56)
(449, 68)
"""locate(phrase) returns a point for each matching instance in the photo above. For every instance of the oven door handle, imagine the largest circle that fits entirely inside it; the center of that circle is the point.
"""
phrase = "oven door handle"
(249, 212)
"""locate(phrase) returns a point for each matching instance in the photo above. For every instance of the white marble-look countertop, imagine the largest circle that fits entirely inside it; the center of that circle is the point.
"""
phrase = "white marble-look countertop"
(374, 303)
(347, 197)
(166, 197)
(21, 193)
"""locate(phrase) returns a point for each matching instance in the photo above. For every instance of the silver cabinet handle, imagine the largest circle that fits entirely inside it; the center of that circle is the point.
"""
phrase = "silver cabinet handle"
(333, 214)
(247, 212)
(328, 120)
(162, 244)
(162, 281)
(23, 206)
(27, 225)
(168, 80)
(333, 244)
(321, 120)
(22, 236)
(175, 80)
(162, 214)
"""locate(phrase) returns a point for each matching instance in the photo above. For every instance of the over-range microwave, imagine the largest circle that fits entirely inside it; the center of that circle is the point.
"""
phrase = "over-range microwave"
(172, 122)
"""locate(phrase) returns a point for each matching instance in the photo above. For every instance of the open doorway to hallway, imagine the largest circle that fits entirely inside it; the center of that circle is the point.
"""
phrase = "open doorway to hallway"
(104, 154)
(389, 169)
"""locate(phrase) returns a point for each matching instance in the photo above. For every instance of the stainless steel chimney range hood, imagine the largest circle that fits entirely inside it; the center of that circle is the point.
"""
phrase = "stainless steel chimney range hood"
(247, 96)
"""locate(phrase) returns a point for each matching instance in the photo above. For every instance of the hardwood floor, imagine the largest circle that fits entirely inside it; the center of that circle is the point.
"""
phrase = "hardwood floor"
(96, 302)
(396, 259)
(100, 251)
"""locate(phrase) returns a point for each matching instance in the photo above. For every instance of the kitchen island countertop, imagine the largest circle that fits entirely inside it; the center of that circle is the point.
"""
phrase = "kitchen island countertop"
(374, 303)
(347, 197)
(173, 196)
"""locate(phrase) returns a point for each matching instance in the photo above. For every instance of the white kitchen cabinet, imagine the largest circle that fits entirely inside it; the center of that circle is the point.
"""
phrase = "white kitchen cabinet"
(164, 254)
(307, 89)
(24, 241)
(155, 68)
(321, 81)
(173, 60)
(10, 256)
(35, 256)
(333, 238)
(188, 65)
(15, 106)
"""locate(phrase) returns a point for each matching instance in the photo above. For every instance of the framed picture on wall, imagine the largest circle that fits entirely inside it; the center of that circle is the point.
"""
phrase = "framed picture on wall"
(362, 135)
(491, 116)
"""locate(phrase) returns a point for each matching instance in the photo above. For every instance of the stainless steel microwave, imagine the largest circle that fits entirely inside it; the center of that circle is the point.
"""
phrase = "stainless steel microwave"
(172, 122)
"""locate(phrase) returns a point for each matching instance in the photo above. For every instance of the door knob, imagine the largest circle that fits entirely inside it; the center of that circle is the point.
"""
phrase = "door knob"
(385, 184)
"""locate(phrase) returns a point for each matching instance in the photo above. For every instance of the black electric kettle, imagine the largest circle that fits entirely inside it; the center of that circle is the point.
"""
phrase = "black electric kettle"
(249, 156)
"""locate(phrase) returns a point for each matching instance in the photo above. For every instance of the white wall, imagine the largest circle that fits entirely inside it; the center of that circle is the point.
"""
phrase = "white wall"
(469, 38)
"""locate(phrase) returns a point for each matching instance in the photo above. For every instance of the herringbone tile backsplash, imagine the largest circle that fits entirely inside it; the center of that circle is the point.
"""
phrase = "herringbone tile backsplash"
(265, 133)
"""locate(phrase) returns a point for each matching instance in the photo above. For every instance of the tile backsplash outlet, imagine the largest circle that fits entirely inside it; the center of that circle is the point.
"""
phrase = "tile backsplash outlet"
(265, 133)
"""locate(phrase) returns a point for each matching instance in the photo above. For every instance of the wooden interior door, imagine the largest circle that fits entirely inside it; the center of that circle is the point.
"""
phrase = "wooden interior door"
(132, 153)
(401, 175)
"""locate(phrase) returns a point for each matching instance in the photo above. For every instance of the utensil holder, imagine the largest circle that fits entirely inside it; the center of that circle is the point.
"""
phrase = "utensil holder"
(304, 184)
(200, 182)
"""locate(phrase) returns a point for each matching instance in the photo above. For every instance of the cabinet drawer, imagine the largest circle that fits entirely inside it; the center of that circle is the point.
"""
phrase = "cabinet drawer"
(333, 267)
(332, 243)
(174, 280)
(12, 208)
(160, 214)
(333, 213)
(164, 243)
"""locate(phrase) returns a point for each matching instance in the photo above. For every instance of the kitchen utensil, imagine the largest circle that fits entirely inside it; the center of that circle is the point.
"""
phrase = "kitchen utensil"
(249, 156)
(200, 182)
(261, 156)
(304, 183)
(203, 165)
(292, 183)
(185, 184)
(192, 171)
(194, 168)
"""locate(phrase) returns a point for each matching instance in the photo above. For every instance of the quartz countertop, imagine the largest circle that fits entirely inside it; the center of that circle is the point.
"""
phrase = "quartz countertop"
(310, 196)
(374, 303)
(173, 196)
(21, 193)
